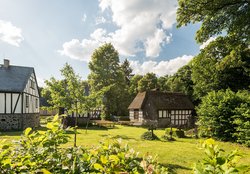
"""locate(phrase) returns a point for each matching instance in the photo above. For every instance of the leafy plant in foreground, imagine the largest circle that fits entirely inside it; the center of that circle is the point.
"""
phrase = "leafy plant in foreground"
(215, 162)
(42, 152)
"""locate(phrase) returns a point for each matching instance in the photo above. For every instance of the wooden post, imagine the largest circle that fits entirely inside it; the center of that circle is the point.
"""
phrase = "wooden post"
(171, 132)
(75, 129)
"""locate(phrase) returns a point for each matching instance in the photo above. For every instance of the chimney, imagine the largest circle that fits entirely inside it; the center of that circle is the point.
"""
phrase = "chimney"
(6, 63)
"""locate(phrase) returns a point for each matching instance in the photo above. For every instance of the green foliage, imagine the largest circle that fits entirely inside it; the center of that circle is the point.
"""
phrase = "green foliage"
(147, 82)
(225, 62)
(134, 82)
(114, 158)
(242, 120)
(127, 70)
(215, 162)
(67, 93)
(162, 83)
(36, 151)
(229, 16)
(42, 152)
(168, 137)
(181, 81)
(224, 115)
(106, 71)
(175, 132)
(149, 135)
(221, 65)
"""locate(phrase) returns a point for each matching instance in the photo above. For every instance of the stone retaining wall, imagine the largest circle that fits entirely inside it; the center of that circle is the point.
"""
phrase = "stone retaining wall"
(9, 122)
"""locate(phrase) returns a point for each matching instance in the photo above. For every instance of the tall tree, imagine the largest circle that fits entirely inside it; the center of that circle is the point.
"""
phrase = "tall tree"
(67, 93)
(127, 70)
(162, 83)
(134, 82)
(148, 82)
(181, 81)
(106, 71)
(229, 16)
(221, 65)
(225, 62)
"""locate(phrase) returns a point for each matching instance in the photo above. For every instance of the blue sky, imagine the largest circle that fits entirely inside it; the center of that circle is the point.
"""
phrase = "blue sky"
(46, 34)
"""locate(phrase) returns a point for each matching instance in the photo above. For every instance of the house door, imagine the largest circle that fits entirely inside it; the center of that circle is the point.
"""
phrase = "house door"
(136, 114)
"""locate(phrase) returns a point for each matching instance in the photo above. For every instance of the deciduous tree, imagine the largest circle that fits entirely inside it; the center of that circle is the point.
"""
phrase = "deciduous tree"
(106, 71)
(148, 82)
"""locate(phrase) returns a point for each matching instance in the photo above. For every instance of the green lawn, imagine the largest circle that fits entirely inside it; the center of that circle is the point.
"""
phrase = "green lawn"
(179, 156)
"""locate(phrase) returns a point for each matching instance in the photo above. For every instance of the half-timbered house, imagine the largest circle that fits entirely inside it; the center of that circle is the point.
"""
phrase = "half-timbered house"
(167, 108)
(19, 97)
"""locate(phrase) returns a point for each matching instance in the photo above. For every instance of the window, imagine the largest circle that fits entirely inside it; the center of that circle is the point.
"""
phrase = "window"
(163, 114)
(180, 117)
(32, 84)
(27, 101)
(36, 103)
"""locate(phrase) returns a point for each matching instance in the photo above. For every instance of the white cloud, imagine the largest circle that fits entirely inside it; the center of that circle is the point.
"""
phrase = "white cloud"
(162, 68)
(84, 17)
(10, 33)
(142, 26)
(141, 22)
(204, 44)
(82, 50)
(153, 44)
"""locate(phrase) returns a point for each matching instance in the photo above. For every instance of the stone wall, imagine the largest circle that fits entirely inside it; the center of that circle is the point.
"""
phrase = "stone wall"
(9, 122)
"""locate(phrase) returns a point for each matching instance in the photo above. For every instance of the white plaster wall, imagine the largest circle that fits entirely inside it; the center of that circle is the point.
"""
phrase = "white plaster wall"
(28, 88)
(131, 114)
(14, 100)
(140, 115)
(1, 102)
(8, 103)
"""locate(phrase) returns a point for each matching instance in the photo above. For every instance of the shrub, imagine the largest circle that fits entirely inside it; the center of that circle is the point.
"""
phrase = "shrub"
(242, 122)
(42, 152)
(225, 115)
(149, 135)
(180, 133)
(215, 162)
(175, 132)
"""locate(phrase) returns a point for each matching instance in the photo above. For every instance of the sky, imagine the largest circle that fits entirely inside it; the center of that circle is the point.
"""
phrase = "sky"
(46, 34)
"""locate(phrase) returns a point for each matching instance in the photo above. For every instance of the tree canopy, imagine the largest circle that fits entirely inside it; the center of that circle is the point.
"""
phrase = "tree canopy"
(230, 16)
(66, 93)
(106, 71)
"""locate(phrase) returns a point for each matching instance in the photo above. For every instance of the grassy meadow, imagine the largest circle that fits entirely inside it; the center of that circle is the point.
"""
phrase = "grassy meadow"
(179, 156)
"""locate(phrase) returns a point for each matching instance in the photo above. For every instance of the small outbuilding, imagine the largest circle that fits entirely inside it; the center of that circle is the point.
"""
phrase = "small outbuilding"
(19, 97)
(166, 108)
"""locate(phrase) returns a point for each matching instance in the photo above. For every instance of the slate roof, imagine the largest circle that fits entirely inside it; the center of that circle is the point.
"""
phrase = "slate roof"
(14, 78)
(162, 100)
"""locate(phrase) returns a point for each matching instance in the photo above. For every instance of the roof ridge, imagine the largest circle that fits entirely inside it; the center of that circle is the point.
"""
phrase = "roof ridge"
(1, 65)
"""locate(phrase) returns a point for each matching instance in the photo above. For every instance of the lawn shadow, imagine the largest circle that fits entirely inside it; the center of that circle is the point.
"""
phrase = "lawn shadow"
(124, 137)
(94, 128)
(173, 167)
(12, 133)
(19, 133)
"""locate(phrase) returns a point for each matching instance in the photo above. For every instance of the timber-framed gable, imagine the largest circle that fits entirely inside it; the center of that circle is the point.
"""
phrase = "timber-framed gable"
(19, 97)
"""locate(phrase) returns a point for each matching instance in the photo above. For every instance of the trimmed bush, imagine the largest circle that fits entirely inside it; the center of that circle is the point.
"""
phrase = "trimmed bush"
(175, 132)
(148, 136)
